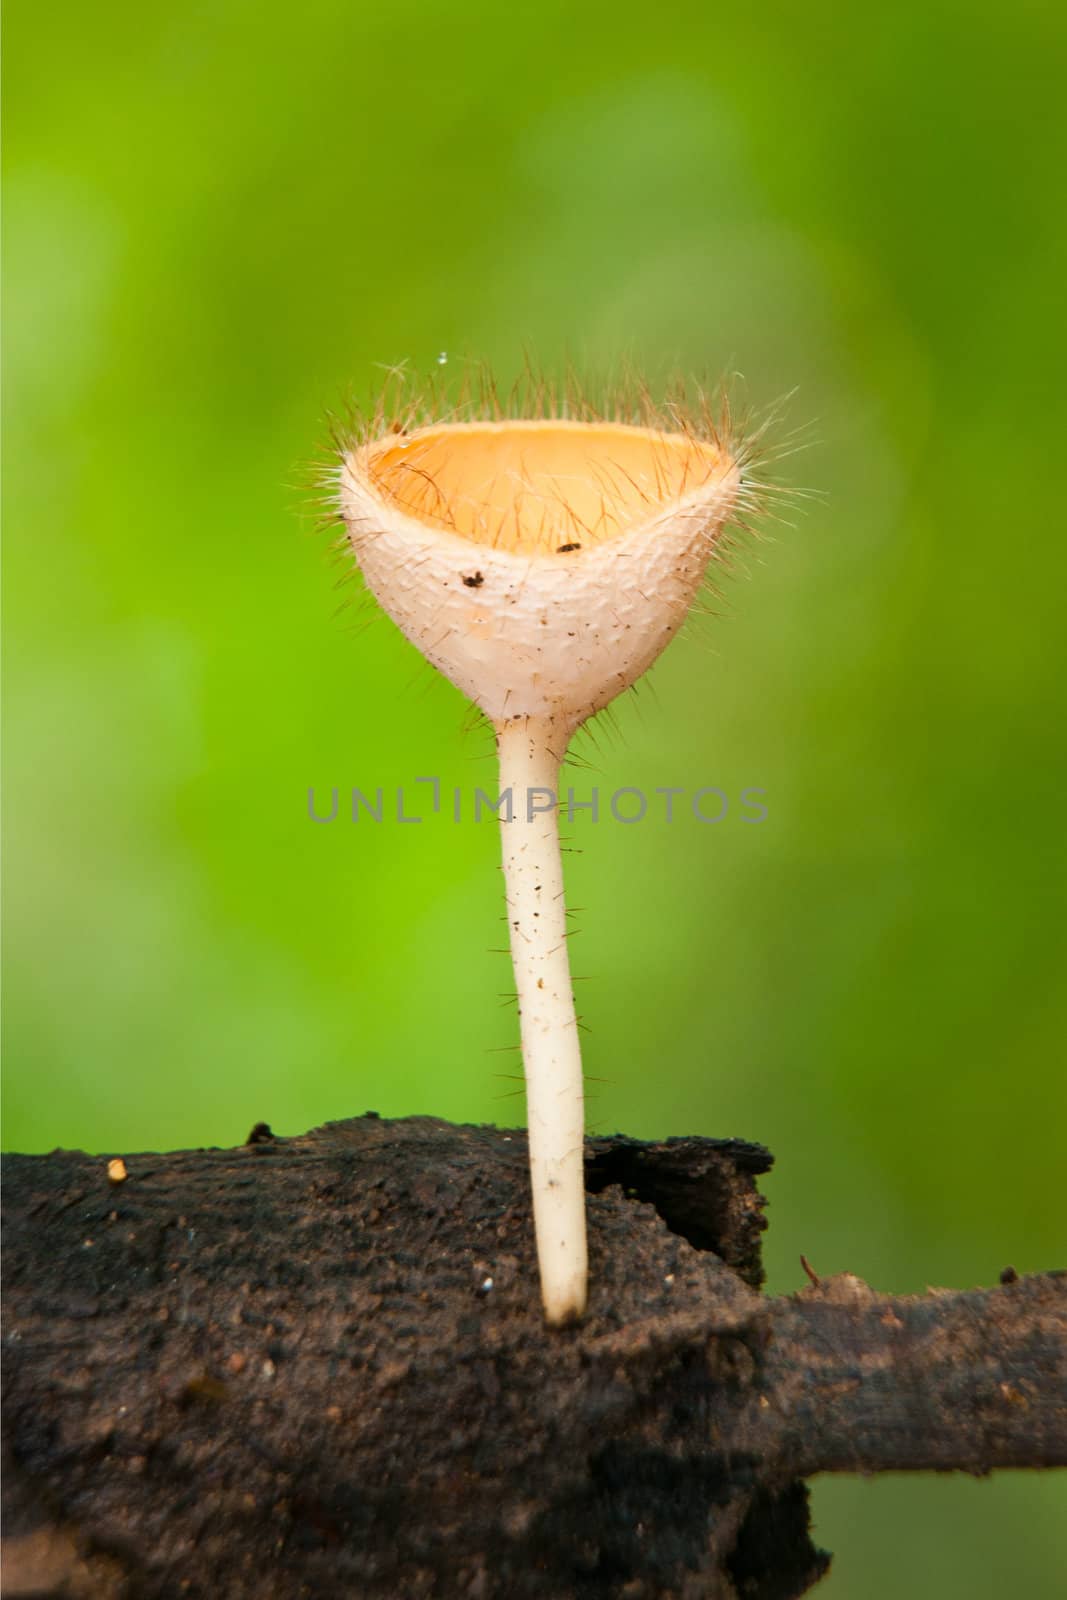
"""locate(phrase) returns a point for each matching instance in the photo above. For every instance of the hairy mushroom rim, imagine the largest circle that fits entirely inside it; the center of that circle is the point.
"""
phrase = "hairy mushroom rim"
(539, 487)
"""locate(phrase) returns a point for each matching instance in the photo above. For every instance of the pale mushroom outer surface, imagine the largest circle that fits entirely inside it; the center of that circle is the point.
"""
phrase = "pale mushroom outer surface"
(544, 634)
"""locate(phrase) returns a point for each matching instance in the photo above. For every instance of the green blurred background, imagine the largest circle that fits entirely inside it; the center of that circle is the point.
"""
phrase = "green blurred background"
(219, 218)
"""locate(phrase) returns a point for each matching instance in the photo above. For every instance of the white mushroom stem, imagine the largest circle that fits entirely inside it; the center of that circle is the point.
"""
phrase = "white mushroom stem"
(530, 751)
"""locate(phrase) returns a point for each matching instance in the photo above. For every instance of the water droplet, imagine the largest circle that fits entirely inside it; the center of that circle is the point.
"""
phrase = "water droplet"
(442, 359)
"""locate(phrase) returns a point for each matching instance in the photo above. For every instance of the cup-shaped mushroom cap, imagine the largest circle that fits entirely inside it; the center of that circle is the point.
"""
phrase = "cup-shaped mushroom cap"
(540, 565)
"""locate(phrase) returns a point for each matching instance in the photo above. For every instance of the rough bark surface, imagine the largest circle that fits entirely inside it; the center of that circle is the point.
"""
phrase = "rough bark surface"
(316, 1367)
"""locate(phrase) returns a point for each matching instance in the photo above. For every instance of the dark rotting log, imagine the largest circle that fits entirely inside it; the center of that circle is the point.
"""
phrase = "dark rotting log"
(317, 1367)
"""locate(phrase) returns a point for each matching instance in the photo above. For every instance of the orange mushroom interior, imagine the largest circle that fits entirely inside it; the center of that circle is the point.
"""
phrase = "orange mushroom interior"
(539, 487)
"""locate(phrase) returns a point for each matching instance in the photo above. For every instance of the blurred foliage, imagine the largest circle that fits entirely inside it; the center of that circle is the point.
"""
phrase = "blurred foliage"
(220, 217)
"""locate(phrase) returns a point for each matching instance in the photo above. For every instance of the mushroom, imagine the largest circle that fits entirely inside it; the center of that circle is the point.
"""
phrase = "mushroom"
(541, 563)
